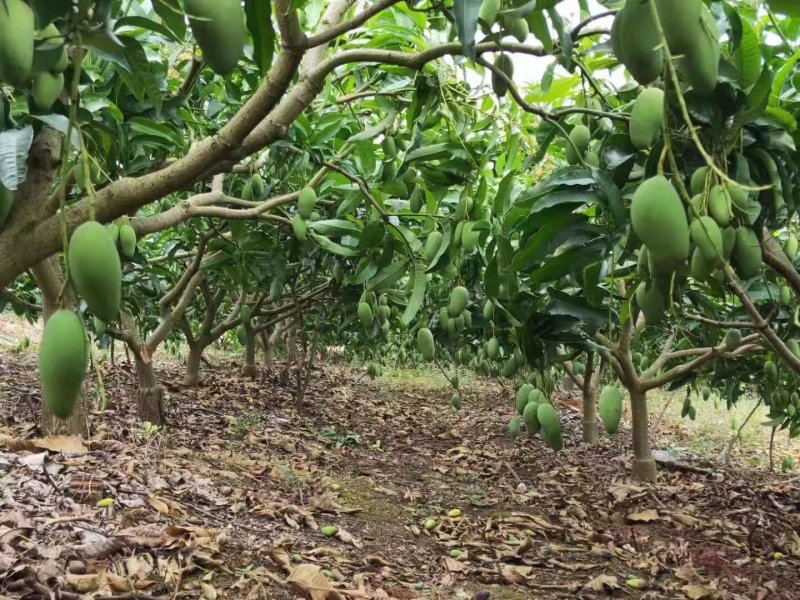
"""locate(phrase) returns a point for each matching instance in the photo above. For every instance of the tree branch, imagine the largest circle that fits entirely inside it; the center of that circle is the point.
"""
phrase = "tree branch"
(332, 32)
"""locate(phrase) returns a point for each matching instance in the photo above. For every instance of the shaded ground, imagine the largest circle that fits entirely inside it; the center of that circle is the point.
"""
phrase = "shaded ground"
(231, 500)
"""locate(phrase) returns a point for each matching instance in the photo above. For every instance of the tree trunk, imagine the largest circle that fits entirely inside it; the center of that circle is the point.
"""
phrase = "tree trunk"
(192, 377)
(249, 367)
(644, 465)
(590, 415)
(269, 350)
(148, 394)
(49, 278)
(291, 343)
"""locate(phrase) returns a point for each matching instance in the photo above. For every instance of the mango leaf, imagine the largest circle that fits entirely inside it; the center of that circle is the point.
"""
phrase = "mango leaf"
(466, 14)
(171, 13)
(259, 22)
(337, 227)
(60, 123)
(548, 238)
(366, 269)
(47, 10)
(417, 294)
(521, 11)
(141, 71)
(562, 303)
(432, 152)
(539, 27)
(14, 146)
(138, 22)
(388, 276)
(569, 261)
(106, 45)
(332, 246)
(159, 130)
(748, 56)
(375, 130)
(780, 79)
(786, 7)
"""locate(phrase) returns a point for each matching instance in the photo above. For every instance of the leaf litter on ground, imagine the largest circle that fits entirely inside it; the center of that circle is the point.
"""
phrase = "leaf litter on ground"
(229, 499)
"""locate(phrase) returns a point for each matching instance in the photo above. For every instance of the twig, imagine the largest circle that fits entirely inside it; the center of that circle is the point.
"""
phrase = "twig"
(725, 456)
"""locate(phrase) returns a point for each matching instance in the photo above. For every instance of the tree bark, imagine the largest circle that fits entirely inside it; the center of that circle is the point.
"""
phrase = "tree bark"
(192, 377)
(49, 278)
(249, 367)
(269, 350)
(644, 465)
(148, 395)
(589, 393)
(291, 343)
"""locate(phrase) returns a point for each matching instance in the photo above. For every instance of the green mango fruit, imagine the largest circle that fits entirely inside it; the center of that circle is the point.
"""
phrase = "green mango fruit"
(95, 269)
(63, 360)
(219, 28)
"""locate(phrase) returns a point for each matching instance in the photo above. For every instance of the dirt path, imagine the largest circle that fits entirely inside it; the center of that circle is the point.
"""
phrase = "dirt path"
(232, 500)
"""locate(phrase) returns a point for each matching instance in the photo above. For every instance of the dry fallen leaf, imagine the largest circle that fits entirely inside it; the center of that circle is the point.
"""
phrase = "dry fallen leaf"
(348, 538)
(516, 574)
(68, 444)
(603, 583)
(643, 516)
(309, 580)
(697, 592)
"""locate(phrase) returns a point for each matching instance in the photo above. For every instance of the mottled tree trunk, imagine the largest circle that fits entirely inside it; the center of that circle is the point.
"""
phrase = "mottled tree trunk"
(192, 377)
(291, 343)
(644, 465)
(269, 350)
(249, 367)
(148, 395)
(590, 415)
(591, 381)
(49, 277)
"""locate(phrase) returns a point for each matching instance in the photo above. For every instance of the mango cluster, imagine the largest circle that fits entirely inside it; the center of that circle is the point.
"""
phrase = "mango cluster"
(31, 59)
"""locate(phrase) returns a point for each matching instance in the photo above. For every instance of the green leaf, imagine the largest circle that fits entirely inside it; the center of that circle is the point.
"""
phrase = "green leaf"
(780, 78)
(141, 71)
(748, 56)
(106, 45)
(259, 22)
(138, 22)
(158, 130)
(388, 276)
(366, 270)
(337, 227)
(569, 261)
(375, 130)
(171, 13)
(332, 246)
(417, 294)
(612, 196)
(564, 38)
(60, 123)
(14, 146)
(784, 117)
(48, 10)
(466, 14)
(538, 25)
(555, 231)
(520, 12)
(574, 306)
(786, 7)
(433, 152)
